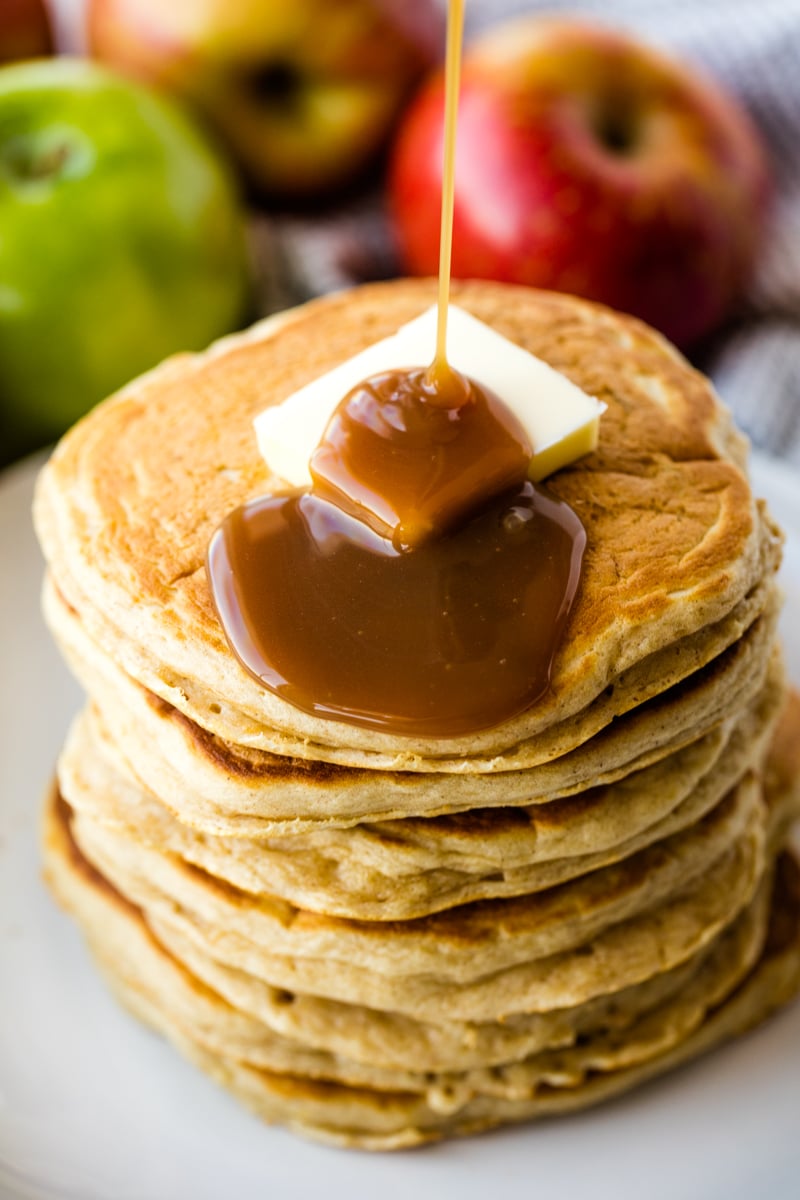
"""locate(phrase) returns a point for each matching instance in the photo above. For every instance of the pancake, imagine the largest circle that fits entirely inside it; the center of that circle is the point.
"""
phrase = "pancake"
(224, 789)
(387, 1040)
(458, 945)
(654, 674)
(553, 950)
(148, 967)
(130, 499)
(411, 868)
(380, 1120)
(392, 1039)
(283, 1079)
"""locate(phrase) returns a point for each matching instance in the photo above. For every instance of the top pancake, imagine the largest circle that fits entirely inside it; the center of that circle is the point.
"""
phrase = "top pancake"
(132, 496)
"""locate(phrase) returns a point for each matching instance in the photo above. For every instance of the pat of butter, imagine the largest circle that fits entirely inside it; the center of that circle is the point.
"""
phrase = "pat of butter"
(560, 419)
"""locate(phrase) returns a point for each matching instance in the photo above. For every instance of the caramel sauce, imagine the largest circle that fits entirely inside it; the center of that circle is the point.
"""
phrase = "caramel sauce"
(423, 584)
(409, 460)
(456, 635)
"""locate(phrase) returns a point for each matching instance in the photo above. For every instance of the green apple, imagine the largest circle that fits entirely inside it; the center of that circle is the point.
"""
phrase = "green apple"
(121, 241)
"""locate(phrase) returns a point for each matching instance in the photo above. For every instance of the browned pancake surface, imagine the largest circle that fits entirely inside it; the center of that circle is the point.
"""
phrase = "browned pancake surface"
(134, 494)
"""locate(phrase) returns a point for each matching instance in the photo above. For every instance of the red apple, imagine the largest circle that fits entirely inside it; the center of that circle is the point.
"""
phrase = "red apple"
(24, 30)
(303, 91)
(588, 163)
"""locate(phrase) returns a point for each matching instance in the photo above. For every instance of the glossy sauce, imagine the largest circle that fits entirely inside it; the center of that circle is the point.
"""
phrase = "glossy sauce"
(454, 636)
(423, 585)
(410, 461)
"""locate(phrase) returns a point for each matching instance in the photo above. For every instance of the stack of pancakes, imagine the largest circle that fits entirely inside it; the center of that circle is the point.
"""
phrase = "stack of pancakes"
(378, 940)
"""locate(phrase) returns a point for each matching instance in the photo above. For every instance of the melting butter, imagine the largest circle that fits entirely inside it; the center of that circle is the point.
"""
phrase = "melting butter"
(560, 420)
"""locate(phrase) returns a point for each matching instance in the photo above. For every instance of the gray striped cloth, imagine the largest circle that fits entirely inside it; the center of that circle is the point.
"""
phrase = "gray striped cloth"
(753, 47)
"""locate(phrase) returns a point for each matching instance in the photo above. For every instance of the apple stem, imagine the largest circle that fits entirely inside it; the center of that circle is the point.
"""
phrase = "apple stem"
(28, 164)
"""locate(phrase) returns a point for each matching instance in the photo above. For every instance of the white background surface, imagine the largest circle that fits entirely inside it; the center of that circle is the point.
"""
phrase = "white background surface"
(95, 1107)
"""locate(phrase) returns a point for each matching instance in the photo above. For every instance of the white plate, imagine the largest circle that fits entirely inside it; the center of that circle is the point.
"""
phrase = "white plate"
(95, 1107)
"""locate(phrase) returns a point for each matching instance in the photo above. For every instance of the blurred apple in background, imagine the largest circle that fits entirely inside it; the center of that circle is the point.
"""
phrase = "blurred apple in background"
(588, 163)
(304, 92)
(24, 30)
(122, 241)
